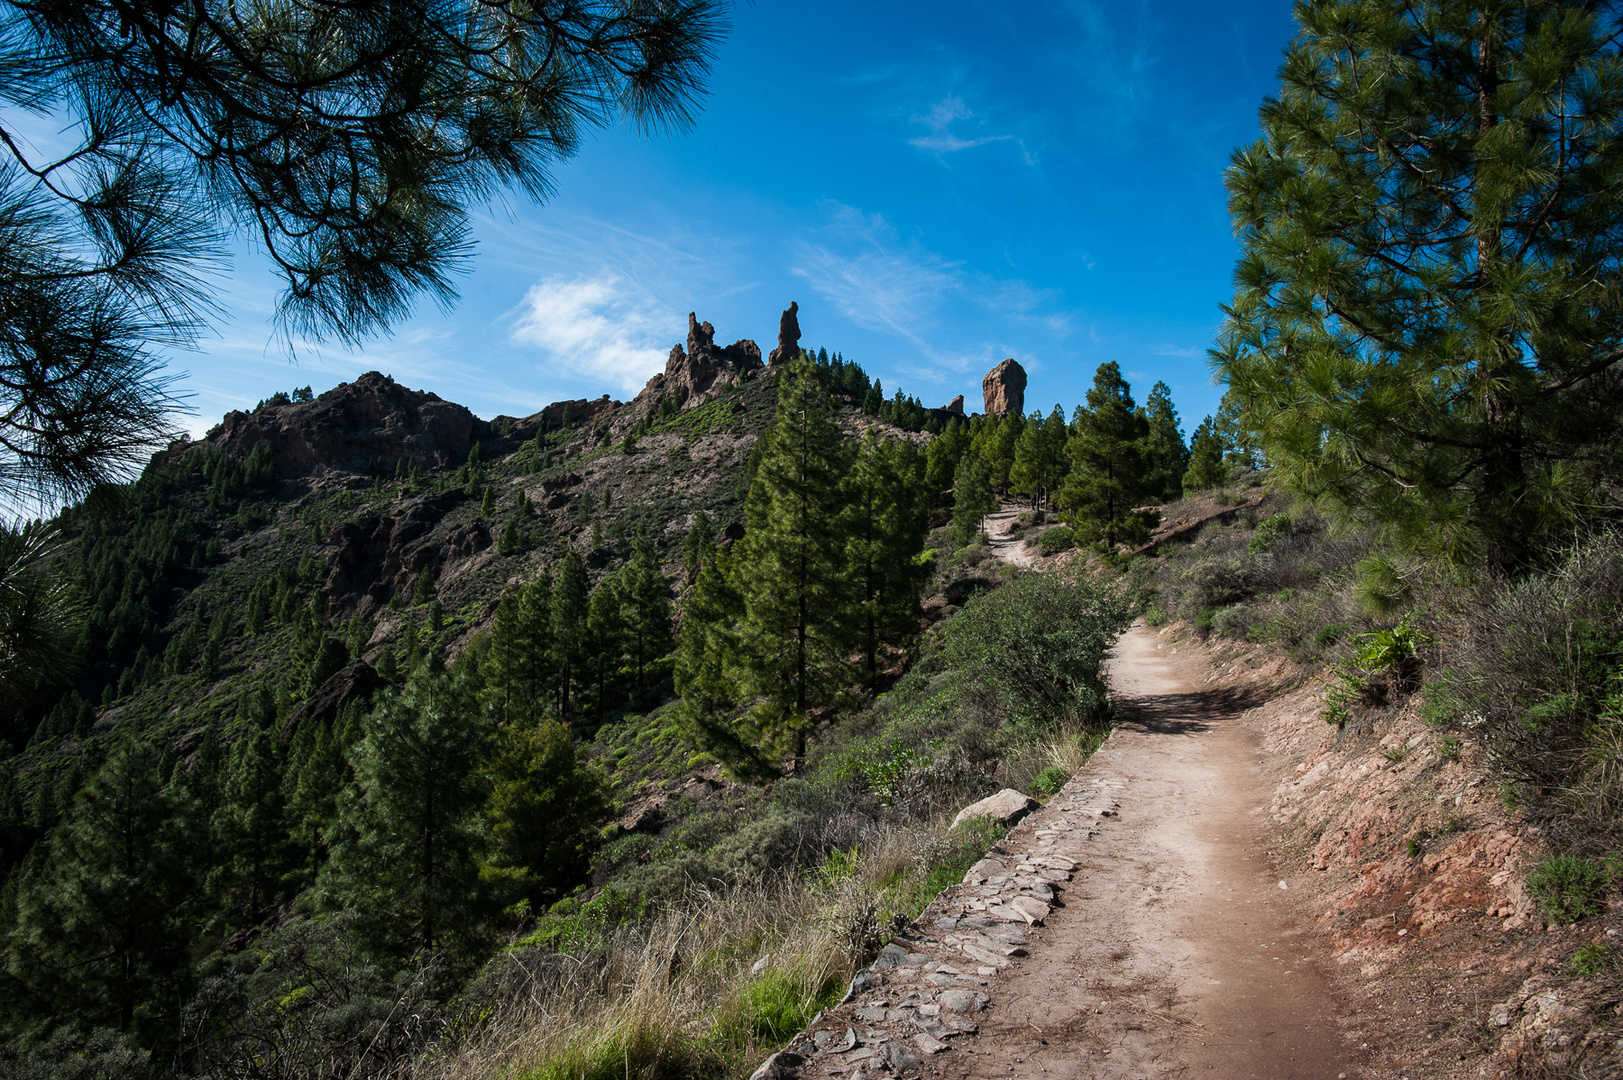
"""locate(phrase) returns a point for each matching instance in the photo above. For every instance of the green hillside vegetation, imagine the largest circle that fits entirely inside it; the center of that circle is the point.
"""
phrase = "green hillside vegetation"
(730, 650)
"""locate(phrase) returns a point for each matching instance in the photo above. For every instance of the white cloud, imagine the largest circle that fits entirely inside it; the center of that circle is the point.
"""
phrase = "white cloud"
(1177, 352)
(905, 291)
(599, 326)
(940, 119)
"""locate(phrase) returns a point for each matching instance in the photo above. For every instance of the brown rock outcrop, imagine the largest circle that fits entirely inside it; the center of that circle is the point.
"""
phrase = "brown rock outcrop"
(353, 425)
(1005, 389)
(376, 556)
(955, 406)
(690, 373)
(788, 336)
(354, 681)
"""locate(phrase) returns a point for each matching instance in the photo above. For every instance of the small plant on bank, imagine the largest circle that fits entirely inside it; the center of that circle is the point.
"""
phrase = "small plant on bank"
(1393, 652)
(1592, 958)
(1049, 781)
(1569, 888)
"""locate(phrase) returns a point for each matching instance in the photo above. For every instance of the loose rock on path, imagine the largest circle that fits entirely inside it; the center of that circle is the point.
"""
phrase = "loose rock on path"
(1133, 927)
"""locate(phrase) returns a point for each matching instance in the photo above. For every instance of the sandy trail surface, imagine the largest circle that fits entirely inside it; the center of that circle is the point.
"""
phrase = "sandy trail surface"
(1177, 952)
(1010, 549)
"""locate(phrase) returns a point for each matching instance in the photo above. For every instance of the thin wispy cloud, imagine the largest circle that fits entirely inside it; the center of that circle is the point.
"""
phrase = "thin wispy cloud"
(874, 279)
(940, 119)
(598, 325)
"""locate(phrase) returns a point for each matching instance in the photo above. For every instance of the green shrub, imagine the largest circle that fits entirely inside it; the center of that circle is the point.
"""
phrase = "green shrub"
(1233, 621)
(1568, 888)
(1049, 781)
(1269, 532)
(1217, 581)
(1592, 958)
(1155, 615)
(1326, 636)
(1055, 540)
(1032, 649)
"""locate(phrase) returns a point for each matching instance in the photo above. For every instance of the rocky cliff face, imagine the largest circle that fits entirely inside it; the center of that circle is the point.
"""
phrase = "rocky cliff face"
(691, 374)
(1005, 389)
(373, 418)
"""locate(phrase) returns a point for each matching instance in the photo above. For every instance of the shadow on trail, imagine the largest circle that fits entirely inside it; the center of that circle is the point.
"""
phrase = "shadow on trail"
(1184, 714)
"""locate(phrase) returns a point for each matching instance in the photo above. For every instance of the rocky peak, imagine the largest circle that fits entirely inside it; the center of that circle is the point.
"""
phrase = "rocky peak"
(691, 373)
(1005, 389)
(352, 425)
(788, 336)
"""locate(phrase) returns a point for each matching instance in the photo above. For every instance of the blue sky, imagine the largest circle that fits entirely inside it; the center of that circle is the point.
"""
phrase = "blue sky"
(938, 185)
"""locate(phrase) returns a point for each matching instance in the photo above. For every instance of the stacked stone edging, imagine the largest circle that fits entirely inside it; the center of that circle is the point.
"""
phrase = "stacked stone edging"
(927, 985)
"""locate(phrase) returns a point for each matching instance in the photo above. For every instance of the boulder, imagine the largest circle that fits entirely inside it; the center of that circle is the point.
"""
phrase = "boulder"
(1004, 388)
(780, 1066)
(353, 426)
(1007, 806)
(788, 336)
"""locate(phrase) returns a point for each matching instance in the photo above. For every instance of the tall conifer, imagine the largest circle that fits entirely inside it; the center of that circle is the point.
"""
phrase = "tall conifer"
(1108, 464)
(1166, 456)
(105, 924)
(410, 830)
(645, 598)
(972, 499)
(570, 603)
(790, 566)
(251, 823)
(544, 809)
(886, 527)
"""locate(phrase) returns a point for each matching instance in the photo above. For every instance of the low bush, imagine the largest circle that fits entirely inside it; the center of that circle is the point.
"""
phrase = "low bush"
(1592, 958)
(1537, 676)
(1032, 650)
(1569, 888)
(1049, 781)
(1055, 540)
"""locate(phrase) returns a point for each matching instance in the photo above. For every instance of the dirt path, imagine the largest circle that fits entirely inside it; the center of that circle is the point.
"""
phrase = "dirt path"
(1177, 952)
(1005, 547)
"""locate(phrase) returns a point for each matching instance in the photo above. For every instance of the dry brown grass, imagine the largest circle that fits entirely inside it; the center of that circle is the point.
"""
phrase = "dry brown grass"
(708, 987)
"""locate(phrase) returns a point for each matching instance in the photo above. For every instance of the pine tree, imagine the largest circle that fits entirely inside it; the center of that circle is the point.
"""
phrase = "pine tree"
(1166, 457)
(1109, 470)
(1206, 466)
(410, 830)
(105, 923)
(790, 570)
(941, 462)
(701, 540)
(995, 445)
(570, 604)
(886, 526)
(1426, 332)
(1039, 457)
(645, 609)
(972, 499)
(603, 644)
(544, 811)
(312, 797)
(519, 670)
(252, 826)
